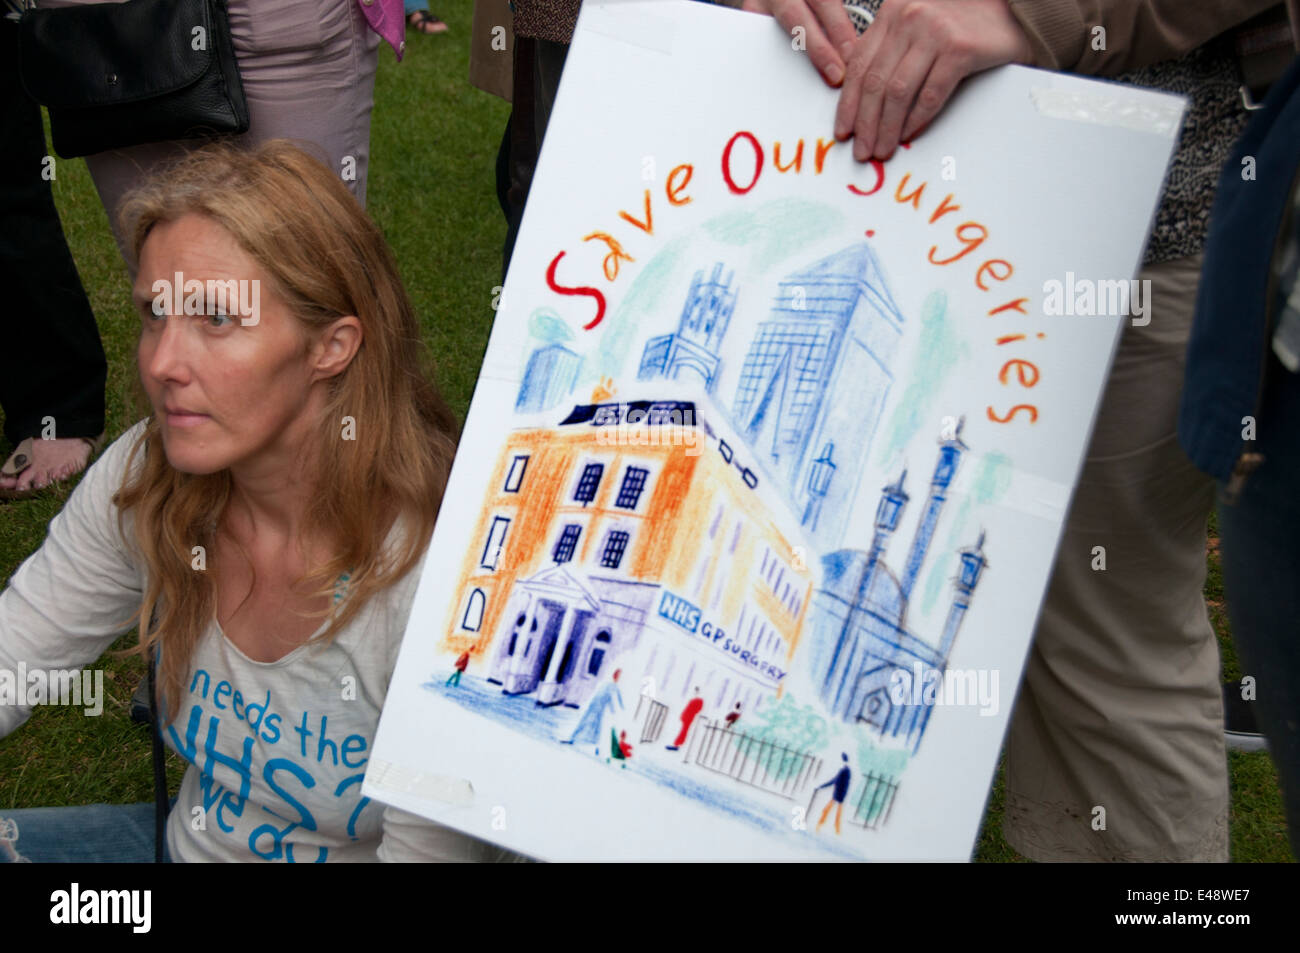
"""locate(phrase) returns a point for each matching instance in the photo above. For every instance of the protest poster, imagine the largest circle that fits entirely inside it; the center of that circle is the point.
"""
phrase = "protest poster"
(767, 464)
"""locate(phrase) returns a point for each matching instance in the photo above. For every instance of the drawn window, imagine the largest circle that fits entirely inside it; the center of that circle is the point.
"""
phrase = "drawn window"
(591, 474)
(598, 653)
(473, 611)
(615, 546)
(567, 543)
(516, 475)
(717, 518)
(495, 542)
(629, 494)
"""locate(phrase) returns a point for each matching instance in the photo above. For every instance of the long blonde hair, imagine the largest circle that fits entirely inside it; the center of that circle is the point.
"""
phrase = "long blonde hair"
(325, 258)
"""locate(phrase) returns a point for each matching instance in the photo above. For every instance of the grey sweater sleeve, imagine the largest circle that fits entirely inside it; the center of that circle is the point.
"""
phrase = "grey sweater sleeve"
(71, 598)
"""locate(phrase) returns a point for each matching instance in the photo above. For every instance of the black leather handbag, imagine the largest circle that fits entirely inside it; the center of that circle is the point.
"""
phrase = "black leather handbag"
(114, 75)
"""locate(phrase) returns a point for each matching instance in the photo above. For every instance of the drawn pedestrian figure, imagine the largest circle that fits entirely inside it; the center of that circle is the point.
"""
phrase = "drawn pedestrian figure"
(619, 749)
(462, 663)
(688, 717)
(838, 793)
(733, 716)
(602, 702)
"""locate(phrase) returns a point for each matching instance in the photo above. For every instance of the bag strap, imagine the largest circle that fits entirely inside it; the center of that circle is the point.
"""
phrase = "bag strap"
(159, 771)
(161, 803)
(1264, 46)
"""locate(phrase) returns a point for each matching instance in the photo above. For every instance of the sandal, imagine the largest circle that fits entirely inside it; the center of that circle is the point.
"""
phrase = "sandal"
(425, 22)
(21, 459)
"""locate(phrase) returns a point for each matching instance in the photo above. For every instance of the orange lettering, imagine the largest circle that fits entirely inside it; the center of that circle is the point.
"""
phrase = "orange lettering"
(615, 253)
(648, 226)
(1008, 338)
(1011, 305)
(988, 266)
(1033, 413)
(971, 244)
(672, 189)
(796, 163)
(823, 147)
(1020, 372)
(943, 209)
(914, 198)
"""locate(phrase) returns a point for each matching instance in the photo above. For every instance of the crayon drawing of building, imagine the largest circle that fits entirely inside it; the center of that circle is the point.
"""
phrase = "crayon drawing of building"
(871, 661)
(630, 536)
(814, 383)
(550, 375)
(692, 351)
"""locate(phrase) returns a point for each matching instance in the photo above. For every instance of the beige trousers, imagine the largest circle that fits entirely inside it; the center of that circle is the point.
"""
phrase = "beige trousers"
(308, 72)
(1116, 751)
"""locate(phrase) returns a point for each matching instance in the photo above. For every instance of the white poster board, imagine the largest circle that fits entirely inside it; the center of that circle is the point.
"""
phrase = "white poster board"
(782, 439)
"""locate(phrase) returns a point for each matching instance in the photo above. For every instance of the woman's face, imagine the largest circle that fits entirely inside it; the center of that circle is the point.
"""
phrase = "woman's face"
(228, 390)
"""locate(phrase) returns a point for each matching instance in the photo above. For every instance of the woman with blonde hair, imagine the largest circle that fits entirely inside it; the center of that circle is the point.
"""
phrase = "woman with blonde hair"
(269, 519)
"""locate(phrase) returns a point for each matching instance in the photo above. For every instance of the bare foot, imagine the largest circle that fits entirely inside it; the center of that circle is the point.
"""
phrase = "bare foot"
(51, 460)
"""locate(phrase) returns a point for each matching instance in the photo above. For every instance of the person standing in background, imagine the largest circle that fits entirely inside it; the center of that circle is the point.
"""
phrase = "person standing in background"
(1104, 719)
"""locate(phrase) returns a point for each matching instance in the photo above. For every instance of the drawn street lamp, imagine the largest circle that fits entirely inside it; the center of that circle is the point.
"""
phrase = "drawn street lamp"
(819, 480)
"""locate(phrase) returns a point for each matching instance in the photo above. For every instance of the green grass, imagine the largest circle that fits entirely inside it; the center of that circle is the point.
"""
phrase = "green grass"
(433, 147)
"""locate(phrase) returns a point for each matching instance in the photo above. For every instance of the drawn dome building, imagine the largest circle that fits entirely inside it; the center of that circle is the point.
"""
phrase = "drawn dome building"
(860, 613)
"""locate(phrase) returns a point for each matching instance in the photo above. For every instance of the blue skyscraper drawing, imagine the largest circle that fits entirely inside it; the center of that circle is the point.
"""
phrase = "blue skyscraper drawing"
(814, 385)
(693, 350)
(550, 377)
(872, 661)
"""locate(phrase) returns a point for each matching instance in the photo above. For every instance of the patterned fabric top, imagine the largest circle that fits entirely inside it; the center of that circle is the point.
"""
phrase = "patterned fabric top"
(1215, 118)
(546, 19)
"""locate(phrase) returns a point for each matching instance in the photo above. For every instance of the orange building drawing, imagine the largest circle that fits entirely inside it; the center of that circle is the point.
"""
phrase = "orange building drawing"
(630, 535)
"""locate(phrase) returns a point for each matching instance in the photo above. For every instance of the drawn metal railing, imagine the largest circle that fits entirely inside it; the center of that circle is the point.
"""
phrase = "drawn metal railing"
(655, 715)
(874, 803)
(752, 760)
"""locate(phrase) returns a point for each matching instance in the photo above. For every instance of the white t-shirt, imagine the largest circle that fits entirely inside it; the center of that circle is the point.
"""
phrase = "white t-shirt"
(277, 750)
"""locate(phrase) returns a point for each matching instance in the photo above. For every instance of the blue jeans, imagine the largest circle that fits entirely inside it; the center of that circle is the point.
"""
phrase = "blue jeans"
(1260, 550)
(95, 833)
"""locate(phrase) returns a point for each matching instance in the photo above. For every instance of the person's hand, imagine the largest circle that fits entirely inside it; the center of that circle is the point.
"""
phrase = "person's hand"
(898, 75)
(826, 29)
(906, 65)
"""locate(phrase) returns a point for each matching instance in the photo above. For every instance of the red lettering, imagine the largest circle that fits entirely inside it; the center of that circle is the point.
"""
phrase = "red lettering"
(576, 290)
(879, 168)
(726, 162)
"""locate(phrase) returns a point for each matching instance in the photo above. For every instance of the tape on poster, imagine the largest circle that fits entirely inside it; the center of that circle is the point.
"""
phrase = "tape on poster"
(434, 787)
(1161, 116)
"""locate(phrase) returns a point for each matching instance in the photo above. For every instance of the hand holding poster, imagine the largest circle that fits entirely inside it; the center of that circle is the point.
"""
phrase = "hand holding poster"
(766, 468)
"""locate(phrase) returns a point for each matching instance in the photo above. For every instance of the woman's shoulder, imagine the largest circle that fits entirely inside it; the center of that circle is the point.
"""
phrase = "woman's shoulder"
(112, 463)
(91, 503)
